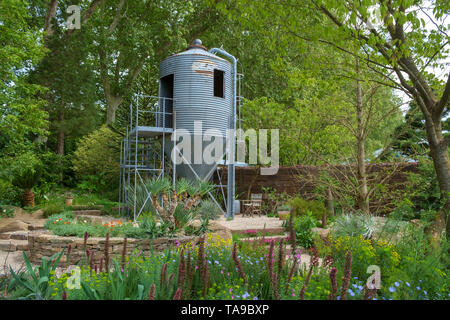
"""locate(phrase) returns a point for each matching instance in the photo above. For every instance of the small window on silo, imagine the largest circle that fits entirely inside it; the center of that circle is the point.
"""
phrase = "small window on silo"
(219, 83)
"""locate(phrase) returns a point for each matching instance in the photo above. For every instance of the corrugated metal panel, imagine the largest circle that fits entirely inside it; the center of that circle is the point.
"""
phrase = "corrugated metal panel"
(194, 89)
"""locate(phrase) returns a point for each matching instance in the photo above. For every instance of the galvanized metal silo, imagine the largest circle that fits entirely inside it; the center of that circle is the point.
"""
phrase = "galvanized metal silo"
(201, 86)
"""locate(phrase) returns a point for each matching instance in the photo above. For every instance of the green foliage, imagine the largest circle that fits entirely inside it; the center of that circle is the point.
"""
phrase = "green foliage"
(422, 188)
(274, 200)
(175, 205)
(22, 117)
(25, 170)
(57, 171)
(52, 208)
(303, 229)
(6, 211)
(9, 194)
(410, 270)
(98, 150)
(353, 225)
(302, 207)
(36, 284)
(423, 267)
(64, 224)
(208, 210)
(151, 228)
(139, 200)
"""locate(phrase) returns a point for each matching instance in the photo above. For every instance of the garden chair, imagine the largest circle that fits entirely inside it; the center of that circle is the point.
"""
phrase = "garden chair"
(254, 205)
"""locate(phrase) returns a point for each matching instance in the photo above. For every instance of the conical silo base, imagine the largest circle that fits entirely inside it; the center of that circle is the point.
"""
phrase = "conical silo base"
(202, 171)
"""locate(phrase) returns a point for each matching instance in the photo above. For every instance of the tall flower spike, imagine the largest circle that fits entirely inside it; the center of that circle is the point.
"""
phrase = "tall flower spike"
(292, 234)
(291, 273)
(177, 295)
(347, 275)
(280, 256)
(270, 259)
(169, 281)
(238, 263)
(124, 252)
(181, 271)
(205, 280)
(86, 235)
(315, 257)
(107, 252)
(275, 286)
(91, 260)
(151, 294)
(201, 255)
(334, 288)
(163, 274)
(189, 274)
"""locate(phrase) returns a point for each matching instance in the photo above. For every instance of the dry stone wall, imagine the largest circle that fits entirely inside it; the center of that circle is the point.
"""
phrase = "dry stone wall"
(47, 244)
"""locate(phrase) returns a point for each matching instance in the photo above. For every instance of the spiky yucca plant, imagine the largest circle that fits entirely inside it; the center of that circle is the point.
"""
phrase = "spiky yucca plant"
(174, 204)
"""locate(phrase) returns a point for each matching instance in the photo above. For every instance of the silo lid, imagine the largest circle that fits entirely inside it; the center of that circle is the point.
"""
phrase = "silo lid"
(196, 48)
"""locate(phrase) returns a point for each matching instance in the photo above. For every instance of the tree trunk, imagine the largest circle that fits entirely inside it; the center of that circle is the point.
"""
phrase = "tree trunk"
(363, 200)
(329, 202)
(113, 103)
(60, 148)
(439, 154)
(28, 197)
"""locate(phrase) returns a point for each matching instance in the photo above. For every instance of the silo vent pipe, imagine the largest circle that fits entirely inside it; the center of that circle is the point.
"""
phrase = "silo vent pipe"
(231, 171)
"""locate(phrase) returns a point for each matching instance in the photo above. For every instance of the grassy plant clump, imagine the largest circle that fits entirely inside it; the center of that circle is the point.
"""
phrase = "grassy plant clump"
(52, 208)
(355, 224)
(301, 207)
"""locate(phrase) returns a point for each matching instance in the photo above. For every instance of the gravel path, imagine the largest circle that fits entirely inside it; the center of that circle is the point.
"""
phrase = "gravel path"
(240, 223)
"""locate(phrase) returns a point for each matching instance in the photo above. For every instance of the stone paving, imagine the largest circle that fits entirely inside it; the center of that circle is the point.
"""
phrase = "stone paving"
(241, 224)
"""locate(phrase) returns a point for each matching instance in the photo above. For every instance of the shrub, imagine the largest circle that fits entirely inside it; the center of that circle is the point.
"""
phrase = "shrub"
(96, 152)
(52, 208)
(303, 229)
(302, 207)
(354, 225)
(208, 210)
(9, 194)
(26, 172)
(424, 268)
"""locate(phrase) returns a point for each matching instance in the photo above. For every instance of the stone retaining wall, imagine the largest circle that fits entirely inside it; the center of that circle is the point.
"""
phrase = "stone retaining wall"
(47, 244)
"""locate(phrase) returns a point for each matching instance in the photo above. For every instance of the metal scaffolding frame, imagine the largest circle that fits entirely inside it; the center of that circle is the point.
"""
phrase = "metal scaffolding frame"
(142, 152)
(142, 155)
